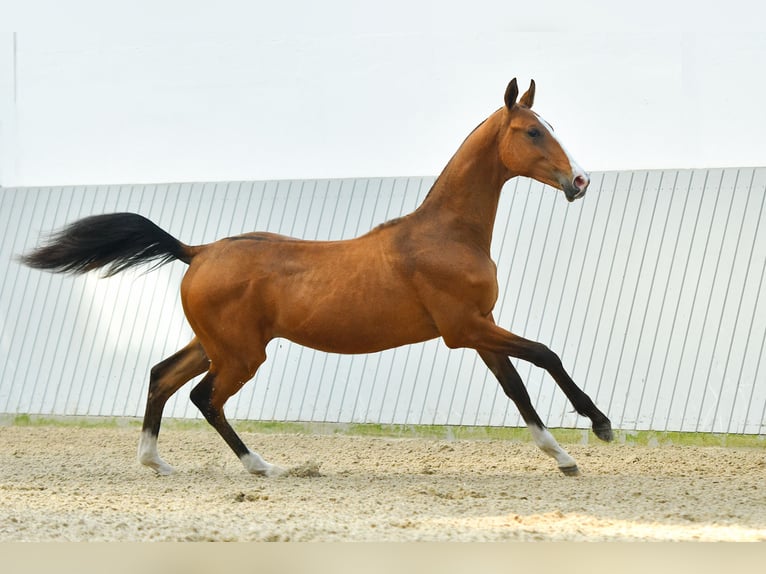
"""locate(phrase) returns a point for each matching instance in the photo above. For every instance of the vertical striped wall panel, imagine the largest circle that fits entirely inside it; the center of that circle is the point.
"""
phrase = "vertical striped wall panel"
(651, 290)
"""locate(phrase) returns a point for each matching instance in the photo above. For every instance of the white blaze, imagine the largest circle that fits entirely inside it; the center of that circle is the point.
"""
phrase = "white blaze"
(576, 169)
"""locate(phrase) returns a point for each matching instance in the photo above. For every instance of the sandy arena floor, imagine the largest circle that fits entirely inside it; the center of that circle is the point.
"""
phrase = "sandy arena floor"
(79, 484)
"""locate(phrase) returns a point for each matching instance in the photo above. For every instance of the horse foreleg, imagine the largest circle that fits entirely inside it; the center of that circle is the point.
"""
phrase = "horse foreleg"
(482, 334)
(541, 356)
(514, 388)
(166, 378)
(209, 396)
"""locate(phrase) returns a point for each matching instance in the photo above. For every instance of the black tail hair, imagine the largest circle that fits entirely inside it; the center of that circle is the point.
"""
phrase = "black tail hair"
(116, 241)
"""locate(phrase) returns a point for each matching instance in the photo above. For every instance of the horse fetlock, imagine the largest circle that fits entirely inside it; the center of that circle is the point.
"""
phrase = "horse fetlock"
(156, 464)
(254, 464)
(148, 455)
(545, 442)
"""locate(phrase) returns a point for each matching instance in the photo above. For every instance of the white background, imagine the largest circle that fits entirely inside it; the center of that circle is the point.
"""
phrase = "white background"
(156, 91)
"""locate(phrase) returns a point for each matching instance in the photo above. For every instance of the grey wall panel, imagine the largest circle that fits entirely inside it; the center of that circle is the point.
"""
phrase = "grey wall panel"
(651, 290)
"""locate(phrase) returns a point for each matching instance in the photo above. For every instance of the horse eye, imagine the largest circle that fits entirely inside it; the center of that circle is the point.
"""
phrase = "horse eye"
(533, 133)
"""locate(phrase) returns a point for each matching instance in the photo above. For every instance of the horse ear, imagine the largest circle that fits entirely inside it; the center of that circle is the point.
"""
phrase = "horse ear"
(511, 93)
(529, 97)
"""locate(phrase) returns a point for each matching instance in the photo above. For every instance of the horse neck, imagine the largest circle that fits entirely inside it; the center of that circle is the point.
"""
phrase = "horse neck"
(464, 198)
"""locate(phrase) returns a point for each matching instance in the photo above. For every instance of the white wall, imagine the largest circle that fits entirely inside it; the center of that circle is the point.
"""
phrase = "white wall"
(153, 91)
(651, 290)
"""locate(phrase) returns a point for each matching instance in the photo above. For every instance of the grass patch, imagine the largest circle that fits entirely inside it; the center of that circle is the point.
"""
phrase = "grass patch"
(25, 420)
(654, 438)
(436, 432)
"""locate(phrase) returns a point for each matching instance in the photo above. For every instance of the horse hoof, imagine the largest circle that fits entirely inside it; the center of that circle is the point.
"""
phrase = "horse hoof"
(570, 470)
(157, 465)
(160, 467)
(604, 431)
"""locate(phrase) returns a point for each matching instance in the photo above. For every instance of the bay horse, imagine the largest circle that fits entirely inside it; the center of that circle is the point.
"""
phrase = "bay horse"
(426, 275)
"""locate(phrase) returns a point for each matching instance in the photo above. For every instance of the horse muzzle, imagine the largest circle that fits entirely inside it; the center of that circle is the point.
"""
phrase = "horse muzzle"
(576, 187)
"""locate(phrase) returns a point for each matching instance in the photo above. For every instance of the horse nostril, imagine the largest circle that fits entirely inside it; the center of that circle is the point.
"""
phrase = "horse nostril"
(581, 182)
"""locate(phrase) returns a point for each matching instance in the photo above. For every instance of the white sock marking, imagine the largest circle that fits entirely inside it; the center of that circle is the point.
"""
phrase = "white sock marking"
(254, 464)
(148, 455)
(545, 441)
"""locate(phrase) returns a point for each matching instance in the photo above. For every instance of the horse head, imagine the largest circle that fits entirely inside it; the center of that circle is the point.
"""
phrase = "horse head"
(529, 146)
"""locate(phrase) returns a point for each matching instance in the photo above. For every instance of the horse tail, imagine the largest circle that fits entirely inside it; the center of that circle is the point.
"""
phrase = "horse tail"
(116, 241)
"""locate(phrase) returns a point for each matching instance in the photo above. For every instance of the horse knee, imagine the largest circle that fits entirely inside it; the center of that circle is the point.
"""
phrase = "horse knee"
(541, 356)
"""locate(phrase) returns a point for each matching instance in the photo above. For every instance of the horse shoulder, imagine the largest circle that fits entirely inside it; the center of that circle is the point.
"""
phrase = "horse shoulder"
(452, 269)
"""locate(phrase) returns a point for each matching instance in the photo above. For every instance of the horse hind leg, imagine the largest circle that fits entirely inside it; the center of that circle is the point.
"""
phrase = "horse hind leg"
(211, 394)
(166, 378)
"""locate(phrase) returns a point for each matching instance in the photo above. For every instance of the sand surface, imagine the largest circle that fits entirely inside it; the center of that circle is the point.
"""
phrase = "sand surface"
(81, 484)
